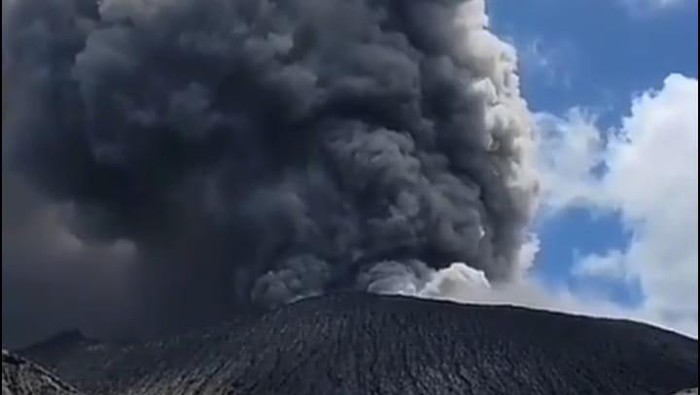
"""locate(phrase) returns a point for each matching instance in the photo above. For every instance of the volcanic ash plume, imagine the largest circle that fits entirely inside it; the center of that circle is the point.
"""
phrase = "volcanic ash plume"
(168, 162)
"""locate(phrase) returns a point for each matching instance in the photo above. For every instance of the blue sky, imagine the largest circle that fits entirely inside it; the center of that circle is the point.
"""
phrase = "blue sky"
(599, 51)
(596, 55)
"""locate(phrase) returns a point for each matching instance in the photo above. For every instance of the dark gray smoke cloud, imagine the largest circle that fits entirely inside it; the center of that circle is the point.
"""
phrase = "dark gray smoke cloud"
(170, 162)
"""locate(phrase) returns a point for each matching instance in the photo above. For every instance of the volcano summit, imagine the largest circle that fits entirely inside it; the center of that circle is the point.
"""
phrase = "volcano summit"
(361, 344)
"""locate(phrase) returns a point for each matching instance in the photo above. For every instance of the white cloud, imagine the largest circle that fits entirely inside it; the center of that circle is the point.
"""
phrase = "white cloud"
(610, 265)
(651, 181)
(570, 149)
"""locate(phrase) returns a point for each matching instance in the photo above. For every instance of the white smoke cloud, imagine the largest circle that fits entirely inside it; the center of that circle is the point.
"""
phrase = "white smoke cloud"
(463, 284)
(508, 113)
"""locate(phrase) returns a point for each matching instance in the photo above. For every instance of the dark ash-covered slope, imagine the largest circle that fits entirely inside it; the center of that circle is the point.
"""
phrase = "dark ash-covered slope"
(367, 344)
(21, 377)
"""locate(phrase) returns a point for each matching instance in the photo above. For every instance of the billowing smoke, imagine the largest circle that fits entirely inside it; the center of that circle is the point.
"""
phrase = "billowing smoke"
(171, 162)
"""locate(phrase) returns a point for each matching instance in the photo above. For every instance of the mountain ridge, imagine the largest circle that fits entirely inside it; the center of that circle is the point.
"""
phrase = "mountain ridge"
(378, 344)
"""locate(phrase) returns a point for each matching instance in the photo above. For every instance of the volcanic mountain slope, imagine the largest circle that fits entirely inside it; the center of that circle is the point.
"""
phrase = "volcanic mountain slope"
(21, 377)
(360, 344)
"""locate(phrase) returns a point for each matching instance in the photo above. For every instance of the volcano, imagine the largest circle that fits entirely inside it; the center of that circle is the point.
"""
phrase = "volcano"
(372, 344)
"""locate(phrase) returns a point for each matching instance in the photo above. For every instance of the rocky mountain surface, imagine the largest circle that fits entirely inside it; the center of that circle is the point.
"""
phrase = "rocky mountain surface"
(21, 377)
(367, 344)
